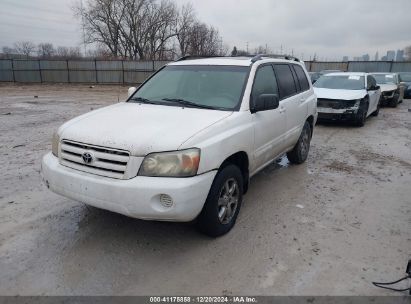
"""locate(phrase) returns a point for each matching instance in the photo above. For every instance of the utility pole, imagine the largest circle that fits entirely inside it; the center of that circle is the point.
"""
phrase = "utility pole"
(247, 46)
(281, 49)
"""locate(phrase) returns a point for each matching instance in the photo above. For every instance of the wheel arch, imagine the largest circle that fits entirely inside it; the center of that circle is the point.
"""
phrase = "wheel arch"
(310, 120)
(241, 160)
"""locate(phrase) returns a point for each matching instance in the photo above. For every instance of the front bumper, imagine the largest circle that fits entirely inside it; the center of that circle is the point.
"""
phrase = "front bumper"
(138, 197)
(337, 114)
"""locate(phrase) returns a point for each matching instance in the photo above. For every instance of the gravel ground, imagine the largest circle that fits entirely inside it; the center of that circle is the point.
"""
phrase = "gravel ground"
(327, 227)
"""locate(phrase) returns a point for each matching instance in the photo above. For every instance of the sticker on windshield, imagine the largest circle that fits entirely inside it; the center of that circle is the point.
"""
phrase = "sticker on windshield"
(354, 77)
(389, 76)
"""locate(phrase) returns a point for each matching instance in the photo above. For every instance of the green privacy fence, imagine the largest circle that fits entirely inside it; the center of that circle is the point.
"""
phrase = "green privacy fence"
(126, 72)
(77, 71)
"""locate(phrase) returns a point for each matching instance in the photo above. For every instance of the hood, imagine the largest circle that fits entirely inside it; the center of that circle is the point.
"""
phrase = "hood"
(140, 129)
(388, 87)
(340, 94)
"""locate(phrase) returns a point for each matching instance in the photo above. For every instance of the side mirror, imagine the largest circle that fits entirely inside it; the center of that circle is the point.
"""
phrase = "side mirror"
(377, 87)
(265, 102)
(131, 91)
(374, 88)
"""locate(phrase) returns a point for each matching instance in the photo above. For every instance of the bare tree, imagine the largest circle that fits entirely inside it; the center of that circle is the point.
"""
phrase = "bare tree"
(184, 24)
(68, 52)
(45, 50)
(147, 29)
(8, 50)
(25, 48)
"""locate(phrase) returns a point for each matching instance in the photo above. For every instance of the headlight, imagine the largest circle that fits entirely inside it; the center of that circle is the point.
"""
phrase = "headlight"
(55, 144)
(171, 164)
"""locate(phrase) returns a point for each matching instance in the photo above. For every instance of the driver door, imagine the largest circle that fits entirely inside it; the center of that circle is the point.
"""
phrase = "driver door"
(373, 94)
(270, 125)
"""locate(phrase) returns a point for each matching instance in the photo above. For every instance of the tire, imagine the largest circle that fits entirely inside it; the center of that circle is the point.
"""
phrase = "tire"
(226, 193)
(299, 153)
(361, 116)
(394, 102)
(376, 112)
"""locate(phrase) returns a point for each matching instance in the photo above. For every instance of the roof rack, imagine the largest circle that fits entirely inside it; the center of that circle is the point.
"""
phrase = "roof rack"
(261, 57)
(254, 58)
(187, 57)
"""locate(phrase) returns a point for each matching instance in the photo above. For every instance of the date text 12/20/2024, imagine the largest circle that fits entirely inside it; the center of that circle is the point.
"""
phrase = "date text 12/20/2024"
(221, 299)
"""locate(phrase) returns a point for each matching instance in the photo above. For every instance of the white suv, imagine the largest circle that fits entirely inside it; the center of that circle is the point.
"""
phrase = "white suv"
(186, 142)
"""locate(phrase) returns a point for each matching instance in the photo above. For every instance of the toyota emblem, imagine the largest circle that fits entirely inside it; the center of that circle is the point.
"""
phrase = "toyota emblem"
(87, 157)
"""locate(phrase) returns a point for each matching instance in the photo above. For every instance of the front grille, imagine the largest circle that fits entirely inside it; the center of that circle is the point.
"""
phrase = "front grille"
(105, 161)
(388, 93)
(335, 103)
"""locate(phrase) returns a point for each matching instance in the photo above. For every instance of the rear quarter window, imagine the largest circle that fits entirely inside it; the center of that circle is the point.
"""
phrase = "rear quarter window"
(302, 78)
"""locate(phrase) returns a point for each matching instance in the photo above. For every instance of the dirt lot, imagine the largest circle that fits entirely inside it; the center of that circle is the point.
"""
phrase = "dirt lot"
(327, 227)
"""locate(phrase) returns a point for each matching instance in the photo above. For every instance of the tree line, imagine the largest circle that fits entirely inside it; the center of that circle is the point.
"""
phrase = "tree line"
(147, 29)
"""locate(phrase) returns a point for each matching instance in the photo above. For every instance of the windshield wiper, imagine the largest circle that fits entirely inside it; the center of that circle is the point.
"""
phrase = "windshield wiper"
(143, 100)
(190, 103)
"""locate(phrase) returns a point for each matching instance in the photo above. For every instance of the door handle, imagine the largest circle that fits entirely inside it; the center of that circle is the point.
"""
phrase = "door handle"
(302, 99)
(282, 110)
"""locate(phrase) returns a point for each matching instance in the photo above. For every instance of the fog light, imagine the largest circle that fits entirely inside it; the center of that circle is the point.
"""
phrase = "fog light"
(166, 200)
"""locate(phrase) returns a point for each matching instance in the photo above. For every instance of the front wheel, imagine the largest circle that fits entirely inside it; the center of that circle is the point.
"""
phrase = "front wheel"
(299, 153)
(361, 116)
(223, 203)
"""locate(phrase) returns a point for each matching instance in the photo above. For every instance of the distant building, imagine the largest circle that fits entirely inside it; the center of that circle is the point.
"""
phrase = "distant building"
(345, 59)
(357, 58)
(376, 57)
(366, 57)
(384, 58)
(390, 55)
(400, 55)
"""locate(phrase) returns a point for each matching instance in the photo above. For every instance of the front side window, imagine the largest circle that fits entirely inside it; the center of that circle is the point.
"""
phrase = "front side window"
(218, 87)
(341, 82)
(371, 82)
(385, 78)
(285, 80)
(264, 83)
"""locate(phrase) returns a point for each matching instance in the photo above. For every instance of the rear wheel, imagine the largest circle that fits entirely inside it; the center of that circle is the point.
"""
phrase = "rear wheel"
(299, 153)
(223, 203)
(377, 111)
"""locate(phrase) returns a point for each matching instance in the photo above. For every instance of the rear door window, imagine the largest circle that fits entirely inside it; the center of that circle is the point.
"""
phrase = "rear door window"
(285, 80)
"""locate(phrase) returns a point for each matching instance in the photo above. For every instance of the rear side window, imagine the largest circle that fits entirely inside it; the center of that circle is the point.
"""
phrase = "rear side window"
(265, 82)
(302, 78)
(285, 80)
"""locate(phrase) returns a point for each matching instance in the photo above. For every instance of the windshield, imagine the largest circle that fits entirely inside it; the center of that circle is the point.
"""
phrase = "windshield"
(405, 77)
(341, 82)
(384, 78)
(214, 87)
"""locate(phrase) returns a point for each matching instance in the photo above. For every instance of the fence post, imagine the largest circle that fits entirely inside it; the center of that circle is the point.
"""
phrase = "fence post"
(95, 69)
(392, 63)
(154, 67)
(122, 67)
(41, 77)
(12, 70)
(68, 71)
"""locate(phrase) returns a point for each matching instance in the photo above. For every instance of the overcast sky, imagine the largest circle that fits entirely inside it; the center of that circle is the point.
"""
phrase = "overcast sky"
(330, 28)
